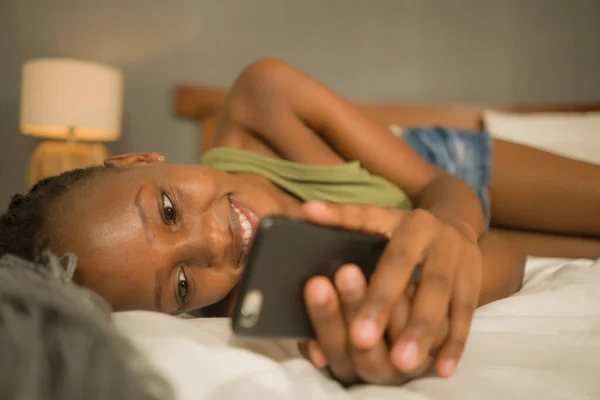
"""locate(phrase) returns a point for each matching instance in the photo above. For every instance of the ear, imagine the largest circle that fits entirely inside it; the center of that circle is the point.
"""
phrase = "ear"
(134, 160)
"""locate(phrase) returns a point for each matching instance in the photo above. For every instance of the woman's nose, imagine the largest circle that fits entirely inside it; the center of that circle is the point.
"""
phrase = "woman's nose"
(211, 242)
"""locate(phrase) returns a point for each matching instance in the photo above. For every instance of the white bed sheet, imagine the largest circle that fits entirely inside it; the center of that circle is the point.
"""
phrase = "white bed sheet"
(542, 343)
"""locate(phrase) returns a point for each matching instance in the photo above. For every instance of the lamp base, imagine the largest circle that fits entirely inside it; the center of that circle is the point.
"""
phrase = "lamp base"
(53, 157)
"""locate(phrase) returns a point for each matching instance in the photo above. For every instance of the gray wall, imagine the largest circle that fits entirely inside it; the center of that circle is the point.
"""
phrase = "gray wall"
(493, 51)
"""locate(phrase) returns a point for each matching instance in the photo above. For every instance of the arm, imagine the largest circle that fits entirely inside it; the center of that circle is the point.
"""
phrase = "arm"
(283, 108)
(293, 107)
(286, 108)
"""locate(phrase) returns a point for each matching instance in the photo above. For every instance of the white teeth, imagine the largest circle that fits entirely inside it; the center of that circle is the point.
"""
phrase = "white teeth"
(245, 225)
(247, 229)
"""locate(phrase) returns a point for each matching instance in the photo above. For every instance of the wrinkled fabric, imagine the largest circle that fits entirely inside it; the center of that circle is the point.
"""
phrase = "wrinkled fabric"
(57, 340)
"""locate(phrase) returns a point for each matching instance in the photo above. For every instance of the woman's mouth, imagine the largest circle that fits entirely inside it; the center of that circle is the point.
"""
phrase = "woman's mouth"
(246, 230)
(245, 224)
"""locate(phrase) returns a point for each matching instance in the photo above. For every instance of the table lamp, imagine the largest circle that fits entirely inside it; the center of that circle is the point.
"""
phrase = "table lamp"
(75, 104)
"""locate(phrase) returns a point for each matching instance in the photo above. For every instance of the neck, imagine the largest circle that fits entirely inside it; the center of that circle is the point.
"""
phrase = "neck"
(288, 203)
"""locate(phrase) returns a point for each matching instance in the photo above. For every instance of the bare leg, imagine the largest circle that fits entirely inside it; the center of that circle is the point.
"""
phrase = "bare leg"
(539, 191)
(547, 245)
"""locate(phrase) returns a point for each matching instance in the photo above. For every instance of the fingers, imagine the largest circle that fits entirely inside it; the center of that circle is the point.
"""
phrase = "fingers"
(452, 350)
(316, 354)
(441, 336)
(357, 217)
(430, 308)
(462, 309)
(329, 314)
(325, 313)
(398, 322)
(351, 285)
(311, 350)
(443, 306)
(401, 313)
(371, 365)
(399, 319)
(348, 363)
(389, 280)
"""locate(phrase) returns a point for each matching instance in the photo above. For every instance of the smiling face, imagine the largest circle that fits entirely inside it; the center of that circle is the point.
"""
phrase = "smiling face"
(169, 238)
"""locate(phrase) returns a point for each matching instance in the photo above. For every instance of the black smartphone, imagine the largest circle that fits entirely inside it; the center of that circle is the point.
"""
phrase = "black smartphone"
(284, 255)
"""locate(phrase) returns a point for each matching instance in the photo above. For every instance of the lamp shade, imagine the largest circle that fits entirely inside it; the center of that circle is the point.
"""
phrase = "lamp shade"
(62, 98)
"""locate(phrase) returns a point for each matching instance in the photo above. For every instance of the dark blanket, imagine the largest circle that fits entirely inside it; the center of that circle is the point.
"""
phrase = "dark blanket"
(57, 342)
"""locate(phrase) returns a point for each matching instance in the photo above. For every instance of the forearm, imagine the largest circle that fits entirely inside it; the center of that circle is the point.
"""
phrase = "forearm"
(503, 266)
(452, 200)
(293, 108)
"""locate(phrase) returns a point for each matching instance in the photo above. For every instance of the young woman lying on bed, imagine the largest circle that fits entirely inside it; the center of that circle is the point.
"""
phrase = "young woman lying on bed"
(173, 238)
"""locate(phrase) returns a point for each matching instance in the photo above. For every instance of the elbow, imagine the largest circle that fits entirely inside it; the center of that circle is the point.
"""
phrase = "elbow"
(266, 72)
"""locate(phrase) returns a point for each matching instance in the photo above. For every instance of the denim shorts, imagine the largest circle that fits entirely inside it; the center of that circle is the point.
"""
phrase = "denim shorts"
(466, 155)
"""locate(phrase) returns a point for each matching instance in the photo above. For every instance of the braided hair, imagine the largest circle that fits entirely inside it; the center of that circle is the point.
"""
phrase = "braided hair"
(22, 231)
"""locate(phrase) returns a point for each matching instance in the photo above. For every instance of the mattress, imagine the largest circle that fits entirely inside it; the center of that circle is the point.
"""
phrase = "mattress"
(543, 342)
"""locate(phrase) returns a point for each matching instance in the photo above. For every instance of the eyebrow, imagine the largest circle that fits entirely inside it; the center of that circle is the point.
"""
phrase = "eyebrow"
(150, 237)
(142, 214)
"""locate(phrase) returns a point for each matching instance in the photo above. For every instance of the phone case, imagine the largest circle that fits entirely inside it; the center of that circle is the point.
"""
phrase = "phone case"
(284, 255)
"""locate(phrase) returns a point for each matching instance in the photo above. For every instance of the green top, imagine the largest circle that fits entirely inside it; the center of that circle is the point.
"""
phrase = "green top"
(342, 183)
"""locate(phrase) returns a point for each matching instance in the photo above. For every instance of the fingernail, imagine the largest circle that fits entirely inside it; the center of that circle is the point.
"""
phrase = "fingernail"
(410, 355)
(318, 295)
(161, 158)
(448, 368)
(367, 331)
(348, 277)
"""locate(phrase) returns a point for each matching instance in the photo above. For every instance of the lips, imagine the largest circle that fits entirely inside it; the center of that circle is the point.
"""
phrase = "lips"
(245, 223)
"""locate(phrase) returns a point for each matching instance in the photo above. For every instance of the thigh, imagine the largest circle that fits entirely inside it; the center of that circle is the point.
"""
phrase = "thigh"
(535, 190)
(549, 245)
(504, 253)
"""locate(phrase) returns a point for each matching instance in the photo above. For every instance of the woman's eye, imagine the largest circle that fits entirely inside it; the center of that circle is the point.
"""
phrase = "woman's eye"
(182, 286)
(168, 210)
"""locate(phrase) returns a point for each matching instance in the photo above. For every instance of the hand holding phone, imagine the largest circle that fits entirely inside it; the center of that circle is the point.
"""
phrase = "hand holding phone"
(285, 254)
(436, 320)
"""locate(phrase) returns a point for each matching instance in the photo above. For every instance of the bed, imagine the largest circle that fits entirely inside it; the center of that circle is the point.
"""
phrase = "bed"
(544, 342)
(203, 104)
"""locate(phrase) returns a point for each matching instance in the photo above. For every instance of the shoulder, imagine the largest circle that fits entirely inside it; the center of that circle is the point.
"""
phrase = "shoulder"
(255, 97)
(259, 85)
(267, 72)
(267, 110)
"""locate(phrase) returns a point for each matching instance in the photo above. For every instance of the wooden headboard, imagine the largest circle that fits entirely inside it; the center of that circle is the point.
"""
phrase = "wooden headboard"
(205, 103)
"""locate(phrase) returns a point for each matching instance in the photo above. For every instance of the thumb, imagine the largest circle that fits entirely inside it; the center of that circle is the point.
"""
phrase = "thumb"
(357, 217)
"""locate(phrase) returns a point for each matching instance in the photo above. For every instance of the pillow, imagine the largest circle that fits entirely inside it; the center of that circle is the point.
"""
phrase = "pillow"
(572, 135)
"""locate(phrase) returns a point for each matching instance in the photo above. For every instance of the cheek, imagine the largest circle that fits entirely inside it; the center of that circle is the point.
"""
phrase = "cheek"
(118, 231)
(119, 240)
(212, 286)
(126, 285)
(116, 262)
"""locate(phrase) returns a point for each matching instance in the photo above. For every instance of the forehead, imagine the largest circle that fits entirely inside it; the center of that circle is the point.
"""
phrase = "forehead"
(97, 221)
